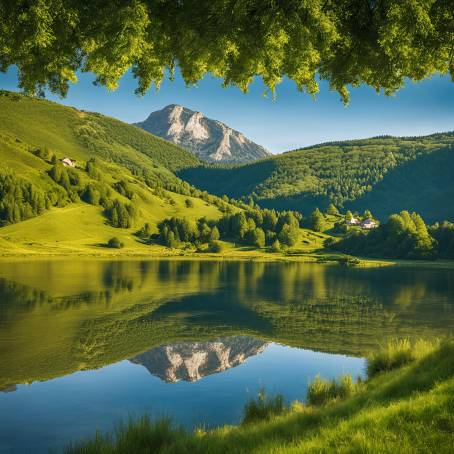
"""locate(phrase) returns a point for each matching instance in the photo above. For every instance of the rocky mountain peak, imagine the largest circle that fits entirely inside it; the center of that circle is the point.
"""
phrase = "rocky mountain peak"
(210, 140)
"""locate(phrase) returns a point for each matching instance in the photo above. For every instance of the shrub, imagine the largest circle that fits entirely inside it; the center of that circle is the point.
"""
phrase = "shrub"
(216, 247)
(115, 243)
(398, 353)
(189, 203)
(276, 246)
(263, 407)
(321, 391)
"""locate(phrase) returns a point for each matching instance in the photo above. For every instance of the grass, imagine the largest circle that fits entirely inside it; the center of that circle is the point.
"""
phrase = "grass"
(322, 391)
(263, 408)
(408, 409)
(398, 353)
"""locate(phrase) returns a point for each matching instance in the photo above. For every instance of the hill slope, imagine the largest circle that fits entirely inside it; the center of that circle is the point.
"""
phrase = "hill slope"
(384, 174)
(210, 140)
(124, 177)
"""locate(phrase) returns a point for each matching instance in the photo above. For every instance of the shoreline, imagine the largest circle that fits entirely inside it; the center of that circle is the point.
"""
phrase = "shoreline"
(312, 258)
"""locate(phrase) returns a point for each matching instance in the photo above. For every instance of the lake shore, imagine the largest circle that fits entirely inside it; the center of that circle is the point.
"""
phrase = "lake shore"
(231, 254)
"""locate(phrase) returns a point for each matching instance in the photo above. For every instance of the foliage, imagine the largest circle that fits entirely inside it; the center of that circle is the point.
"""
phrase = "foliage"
(276, 246)
(115, 243)
(215, 246)
(317, 223)
(322, 391)
(443, 233)
(403, 236)
(332, 210)
(398, 353)
(252, 226)
(345, 42)
(120, 214)
(262, 408)
(388, 174)
(20, 200)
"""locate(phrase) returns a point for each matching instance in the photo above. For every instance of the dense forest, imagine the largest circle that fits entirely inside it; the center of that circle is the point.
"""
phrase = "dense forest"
(252, 226)
(389, 173)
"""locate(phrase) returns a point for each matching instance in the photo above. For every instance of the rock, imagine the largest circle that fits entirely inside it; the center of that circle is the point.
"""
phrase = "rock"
(210, 140)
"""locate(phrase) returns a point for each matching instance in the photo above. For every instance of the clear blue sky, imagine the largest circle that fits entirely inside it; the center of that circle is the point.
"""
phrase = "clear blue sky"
(293, 120)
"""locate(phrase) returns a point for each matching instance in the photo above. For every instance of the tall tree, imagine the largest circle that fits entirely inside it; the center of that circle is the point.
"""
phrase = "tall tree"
(346, 42)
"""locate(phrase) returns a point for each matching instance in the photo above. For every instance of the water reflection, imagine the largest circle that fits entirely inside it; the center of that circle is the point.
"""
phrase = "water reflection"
(191, 361)
(85, 314)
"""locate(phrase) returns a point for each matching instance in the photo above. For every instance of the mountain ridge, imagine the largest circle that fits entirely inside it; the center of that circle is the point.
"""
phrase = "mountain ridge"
(210, 140)
(388, 173)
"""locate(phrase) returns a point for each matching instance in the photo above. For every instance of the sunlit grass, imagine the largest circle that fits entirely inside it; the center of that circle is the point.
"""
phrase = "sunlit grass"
(406, 409)
(398, 353)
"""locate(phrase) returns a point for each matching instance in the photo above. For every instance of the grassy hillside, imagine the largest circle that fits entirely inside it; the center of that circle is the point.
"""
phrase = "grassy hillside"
(130, 166)
(406, 409)
(384, 174)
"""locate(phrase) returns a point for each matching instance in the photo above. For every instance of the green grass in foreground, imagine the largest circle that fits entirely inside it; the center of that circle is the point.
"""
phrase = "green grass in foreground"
(406, 408)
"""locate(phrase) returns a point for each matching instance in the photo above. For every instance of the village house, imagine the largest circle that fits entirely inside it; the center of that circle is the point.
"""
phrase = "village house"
(68, 162)
(353, 221)
(368, 224)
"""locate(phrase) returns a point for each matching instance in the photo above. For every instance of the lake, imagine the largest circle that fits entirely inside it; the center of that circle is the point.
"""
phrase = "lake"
(85, 343)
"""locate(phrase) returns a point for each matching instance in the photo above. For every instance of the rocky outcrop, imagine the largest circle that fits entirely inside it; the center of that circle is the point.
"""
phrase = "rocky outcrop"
(210, 140)
(193, 360)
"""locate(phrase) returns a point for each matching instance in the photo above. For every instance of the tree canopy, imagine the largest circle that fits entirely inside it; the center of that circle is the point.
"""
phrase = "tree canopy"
(346, 42)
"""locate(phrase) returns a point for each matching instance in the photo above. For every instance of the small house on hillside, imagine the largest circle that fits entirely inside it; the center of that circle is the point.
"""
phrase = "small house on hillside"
(353, 221)
(369, 224)
(68, 162)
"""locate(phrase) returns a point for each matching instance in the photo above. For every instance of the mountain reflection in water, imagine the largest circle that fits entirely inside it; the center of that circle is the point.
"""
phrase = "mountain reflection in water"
(191, 361)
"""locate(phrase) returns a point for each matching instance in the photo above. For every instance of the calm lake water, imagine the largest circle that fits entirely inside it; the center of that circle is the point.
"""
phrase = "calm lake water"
(87, 343)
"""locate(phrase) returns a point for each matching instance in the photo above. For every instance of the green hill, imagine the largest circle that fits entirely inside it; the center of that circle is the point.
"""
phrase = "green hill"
(124, 177)
(384, 174)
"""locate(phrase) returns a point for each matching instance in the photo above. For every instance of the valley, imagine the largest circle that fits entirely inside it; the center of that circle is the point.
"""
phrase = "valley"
(79, 183)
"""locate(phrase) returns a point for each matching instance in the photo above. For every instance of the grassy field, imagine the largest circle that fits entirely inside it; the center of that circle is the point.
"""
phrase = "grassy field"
(405, 407)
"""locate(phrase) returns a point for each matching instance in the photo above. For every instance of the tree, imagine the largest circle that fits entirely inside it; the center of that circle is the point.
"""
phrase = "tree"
(288, 235)
(276, 246)
(346, 42)
(332, 210)
(348, 215)
(214, 234)
(258, 237)
(317, 221)
(368, 214)
(189, 203)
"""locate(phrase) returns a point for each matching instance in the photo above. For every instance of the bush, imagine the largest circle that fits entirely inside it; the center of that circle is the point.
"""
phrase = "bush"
(276, 246)
(189, 203)
(321, 391)
(115, 243)
(215, 246)
(263, 407)
(398, 353)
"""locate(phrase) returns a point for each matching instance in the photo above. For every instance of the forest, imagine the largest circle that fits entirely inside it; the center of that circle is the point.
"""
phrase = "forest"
(389, 173)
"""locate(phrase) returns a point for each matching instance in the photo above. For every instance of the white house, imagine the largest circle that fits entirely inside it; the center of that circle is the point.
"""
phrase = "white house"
(353, 221)
(369, 224)
(68, 162)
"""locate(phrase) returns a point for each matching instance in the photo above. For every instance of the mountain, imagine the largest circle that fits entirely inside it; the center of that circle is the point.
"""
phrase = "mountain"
(210, 140)
(192, 361)
(123, 177)
(384, 174)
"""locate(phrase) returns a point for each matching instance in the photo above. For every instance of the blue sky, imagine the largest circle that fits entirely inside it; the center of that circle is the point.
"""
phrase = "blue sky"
(292, 120)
